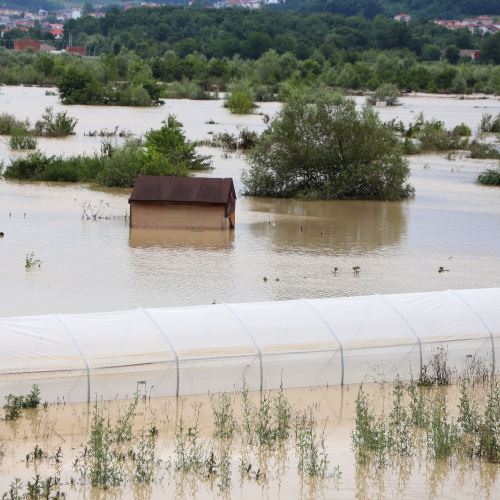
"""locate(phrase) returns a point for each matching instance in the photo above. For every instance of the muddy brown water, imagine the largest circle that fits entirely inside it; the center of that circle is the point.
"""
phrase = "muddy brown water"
(100, 265)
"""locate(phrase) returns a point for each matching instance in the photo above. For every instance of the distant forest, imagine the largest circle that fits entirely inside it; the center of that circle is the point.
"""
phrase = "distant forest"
(249, 34)
(424, 9)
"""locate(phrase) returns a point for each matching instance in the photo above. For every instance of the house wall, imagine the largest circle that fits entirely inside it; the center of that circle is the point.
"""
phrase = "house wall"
(178, 216)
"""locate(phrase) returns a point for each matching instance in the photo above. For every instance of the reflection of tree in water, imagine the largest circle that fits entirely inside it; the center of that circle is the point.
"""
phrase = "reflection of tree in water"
(297, 225)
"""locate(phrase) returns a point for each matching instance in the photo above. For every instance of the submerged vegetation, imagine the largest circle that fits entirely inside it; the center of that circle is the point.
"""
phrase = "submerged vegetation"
(164, 151)
(50, 125)
(320, 146)
(490, 177)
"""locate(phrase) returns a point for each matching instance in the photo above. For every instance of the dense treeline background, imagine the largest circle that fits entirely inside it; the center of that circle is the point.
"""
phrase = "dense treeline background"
(250, 33)
(143, 55)
(425, 9)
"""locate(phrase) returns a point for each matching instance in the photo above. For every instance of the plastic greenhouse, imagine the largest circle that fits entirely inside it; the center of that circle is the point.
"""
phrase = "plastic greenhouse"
(194, 350)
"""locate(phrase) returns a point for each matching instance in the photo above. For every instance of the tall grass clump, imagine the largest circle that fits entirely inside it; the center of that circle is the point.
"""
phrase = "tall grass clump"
(369, 436)
(489, 124)
(442, 435)
(223, 415)
(483, 151)
(490, 177)
(9, 124)
(490, 428)
(22, 141)
(100, 464)
(310, 446)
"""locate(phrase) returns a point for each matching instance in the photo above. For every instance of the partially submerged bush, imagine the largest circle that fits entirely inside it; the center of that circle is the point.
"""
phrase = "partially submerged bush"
(14, 404)
(240, 101)
(461, 130)
(320, 146)
(9, 124)
(55, 124)
(387, 93)
(490, 123)
(490, 177)
(22, 141)
(484, 151)
(165, 151)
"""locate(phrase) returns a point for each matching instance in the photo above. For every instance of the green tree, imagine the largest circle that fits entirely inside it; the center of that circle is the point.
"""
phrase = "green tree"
(452, 54)
(169, 144)
(320, 146)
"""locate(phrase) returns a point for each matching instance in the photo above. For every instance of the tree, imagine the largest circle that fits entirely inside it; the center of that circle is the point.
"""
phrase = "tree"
(452, 54)
(320, 146)
(170, 144)
(491, 49)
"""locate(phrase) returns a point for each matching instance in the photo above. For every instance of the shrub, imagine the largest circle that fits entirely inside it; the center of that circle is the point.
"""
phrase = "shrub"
(240, 101)
(14, 404)
(10, 124)
(490, 177)
(320, 146)
(433, 136)
(387, 93)
(462, 130)
(483, 151)
(489, 123)
(55, 125)
(21, 141)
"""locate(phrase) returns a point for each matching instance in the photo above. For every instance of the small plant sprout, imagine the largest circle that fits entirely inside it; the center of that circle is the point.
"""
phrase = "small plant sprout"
(31, 261)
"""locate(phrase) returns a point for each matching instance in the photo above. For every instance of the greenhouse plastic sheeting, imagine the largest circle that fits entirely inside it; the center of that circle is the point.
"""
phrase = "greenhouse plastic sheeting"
(297, 343)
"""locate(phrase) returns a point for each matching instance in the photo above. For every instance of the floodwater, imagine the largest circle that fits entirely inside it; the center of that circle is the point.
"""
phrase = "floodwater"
(67, 427)
(100, 265)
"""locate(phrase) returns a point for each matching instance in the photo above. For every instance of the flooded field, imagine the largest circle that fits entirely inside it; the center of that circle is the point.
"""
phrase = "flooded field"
(60, 434)
(100, 265)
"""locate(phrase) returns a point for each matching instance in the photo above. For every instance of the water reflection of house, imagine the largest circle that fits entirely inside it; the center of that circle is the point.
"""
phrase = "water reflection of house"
(167, 202)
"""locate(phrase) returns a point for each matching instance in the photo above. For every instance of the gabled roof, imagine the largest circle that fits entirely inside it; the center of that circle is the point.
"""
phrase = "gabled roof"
(166, 188)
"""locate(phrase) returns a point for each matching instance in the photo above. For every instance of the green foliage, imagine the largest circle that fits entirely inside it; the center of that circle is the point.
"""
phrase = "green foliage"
(484, 151)
(20, 141)
(224, 421)
(165, 151)
(55, 125)
(369, 437)
(240, 101)
(387, 93)
(99, 463)
(320, 146)
(14, 404)
(30, 261)
(9, 125)
(311, 449)
(490, 430)
(462, 130)
(490, 124)
(442, 435)
(169, 145)
(490, 177)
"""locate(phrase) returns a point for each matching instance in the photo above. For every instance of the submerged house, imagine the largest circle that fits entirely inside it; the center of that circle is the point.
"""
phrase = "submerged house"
(169, 202)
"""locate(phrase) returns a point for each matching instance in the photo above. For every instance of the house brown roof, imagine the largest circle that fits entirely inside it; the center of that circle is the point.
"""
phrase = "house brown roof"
(193, 190)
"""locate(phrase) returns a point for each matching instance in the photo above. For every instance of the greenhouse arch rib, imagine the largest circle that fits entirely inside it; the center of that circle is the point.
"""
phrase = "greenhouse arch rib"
(165, 336)
(252, 338)
(80, 352)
